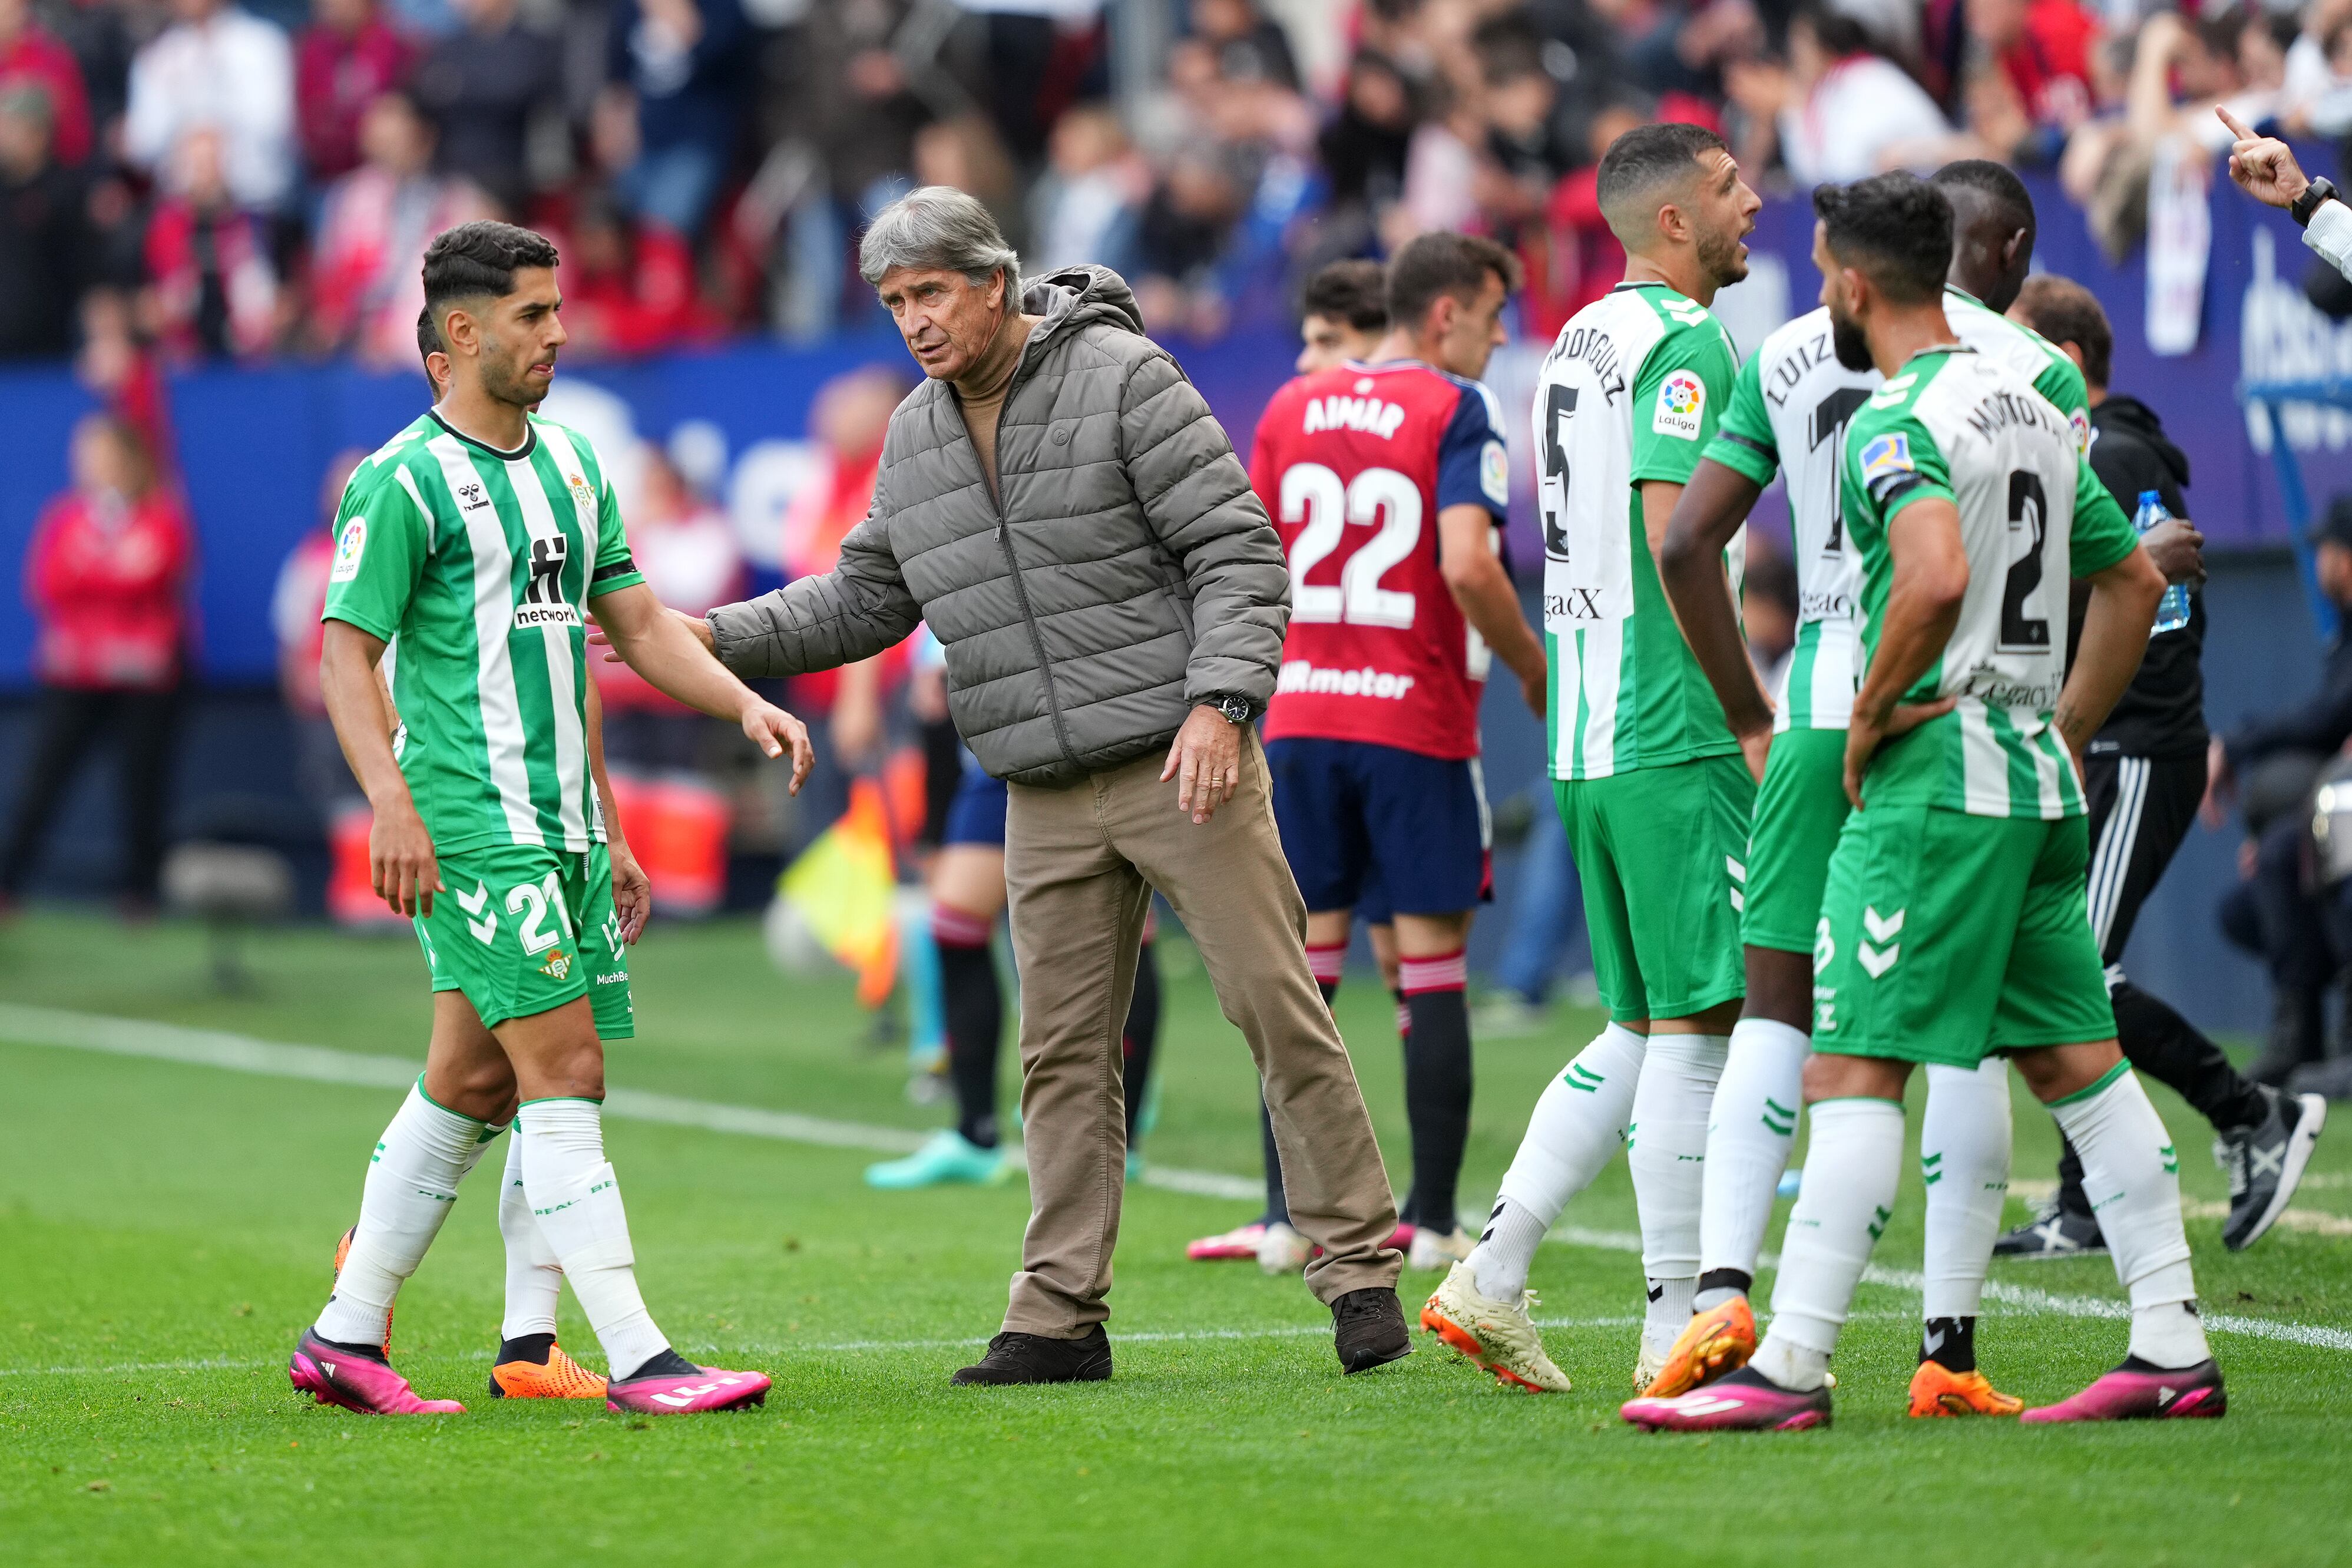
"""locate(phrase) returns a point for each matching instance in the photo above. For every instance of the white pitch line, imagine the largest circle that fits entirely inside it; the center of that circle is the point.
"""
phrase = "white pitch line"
(315, 1064)
(2021, 1296)
(240, 1053)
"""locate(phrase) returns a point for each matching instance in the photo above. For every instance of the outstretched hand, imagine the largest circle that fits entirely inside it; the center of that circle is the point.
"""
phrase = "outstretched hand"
(2264, 166)
(775, 731)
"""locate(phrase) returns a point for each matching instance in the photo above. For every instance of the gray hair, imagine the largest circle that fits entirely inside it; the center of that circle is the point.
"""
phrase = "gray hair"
(939, 227)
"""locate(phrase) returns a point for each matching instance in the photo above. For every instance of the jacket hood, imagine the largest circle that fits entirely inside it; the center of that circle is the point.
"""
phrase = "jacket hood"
(1077, 297)
(2130, 415)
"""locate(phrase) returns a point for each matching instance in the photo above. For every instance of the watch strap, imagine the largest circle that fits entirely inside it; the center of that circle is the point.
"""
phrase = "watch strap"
(2319, 191)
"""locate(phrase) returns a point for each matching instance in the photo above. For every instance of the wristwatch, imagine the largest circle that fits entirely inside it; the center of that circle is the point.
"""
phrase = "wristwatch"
(2302, 208)
(1238, 711)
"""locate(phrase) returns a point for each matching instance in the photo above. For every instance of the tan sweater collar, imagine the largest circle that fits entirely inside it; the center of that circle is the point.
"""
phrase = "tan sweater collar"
(984, 381)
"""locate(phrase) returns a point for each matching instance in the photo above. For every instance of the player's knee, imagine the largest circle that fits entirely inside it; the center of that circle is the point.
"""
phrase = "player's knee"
(1830, 1077)
(483, 1090)
(2053, 1072)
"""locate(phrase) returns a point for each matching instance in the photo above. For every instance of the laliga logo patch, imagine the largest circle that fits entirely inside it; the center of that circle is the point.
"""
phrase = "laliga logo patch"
(2084, 433)
(1887, 454)
(1494, 473)
(1681, 398)
(348, 550)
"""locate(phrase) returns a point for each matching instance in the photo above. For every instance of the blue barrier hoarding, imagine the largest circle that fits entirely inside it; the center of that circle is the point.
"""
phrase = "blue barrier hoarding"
(254, 443)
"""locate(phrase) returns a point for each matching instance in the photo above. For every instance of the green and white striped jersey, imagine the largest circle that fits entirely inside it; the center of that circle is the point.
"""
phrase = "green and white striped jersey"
(2036, 360)
(480, 562)
(1789, 411)
(1630, 391)
(1962, 428)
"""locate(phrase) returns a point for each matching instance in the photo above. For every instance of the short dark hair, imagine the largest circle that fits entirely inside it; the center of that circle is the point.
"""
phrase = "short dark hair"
(476, 259)
(1647, 159)
(1508, 47)
(2010, 202)
(428, 339)
(1455, 265)
(1355, 293)
(1895, 230)
(1838, 33)
(2065, 313)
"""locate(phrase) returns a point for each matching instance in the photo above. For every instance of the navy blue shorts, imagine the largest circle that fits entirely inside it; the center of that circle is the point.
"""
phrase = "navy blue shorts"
(1380, 830)
(976, 816)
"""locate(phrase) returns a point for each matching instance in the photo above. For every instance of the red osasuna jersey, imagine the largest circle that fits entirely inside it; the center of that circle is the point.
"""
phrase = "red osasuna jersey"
(1354, 464)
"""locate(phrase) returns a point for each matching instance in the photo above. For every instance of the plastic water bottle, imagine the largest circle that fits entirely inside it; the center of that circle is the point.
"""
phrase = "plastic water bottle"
(2172, 610)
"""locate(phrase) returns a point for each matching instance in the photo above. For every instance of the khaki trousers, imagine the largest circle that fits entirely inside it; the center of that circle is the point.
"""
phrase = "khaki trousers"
(1080, 864)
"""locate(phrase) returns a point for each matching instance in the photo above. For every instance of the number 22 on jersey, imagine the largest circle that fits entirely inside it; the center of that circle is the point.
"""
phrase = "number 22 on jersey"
(1315, 497)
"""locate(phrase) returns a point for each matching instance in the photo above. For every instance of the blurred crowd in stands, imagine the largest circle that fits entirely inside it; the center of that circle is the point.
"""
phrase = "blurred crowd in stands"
(227, 180)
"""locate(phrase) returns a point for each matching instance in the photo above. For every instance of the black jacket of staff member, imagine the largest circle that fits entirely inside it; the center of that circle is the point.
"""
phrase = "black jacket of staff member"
(2162, 711)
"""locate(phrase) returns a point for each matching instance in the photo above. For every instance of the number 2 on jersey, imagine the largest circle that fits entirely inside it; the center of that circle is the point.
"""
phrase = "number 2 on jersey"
(2029, 512)
(1313, 494)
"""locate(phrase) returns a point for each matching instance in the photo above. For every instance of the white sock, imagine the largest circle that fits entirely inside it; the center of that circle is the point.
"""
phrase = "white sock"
(1852, 1171)
(1749, 1130)
(1577, 1127)
(534, 1278)
(1964, 1159)
(2132, 1177)
(1667, 1147)
(1668, 1312)
(577, 1201)
(412, 1180)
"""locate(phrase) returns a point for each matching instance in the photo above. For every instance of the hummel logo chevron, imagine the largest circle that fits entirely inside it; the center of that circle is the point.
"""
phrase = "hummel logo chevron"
(686, 1396)
(478, 904)
(1883, 930)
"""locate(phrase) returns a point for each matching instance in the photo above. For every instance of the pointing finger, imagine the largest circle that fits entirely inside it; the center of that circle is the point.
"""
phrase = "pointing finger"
(2237, 126)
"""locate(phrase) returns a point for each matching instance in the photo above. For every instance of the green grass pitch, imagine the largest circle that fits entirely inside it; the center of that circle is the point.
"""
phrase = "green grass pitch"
(165, 1231)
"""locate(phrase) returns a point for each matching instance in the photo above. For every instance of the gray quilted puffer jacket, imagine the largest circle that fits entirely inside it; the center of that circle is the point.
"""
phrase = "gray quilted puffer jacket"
(1129, 575)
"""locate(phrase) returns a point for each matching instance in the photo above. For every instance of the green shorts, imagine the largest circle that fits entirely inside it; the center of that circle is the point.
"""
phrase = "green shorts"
(1659, 852)
(1945, 938)
(522, 931)
(1799, 807)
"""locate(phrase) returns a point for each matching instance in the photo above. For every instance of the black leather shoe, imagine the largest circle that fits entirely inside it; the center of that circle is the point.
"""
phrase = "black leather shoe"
(1036, 1358)
(1368, 1328)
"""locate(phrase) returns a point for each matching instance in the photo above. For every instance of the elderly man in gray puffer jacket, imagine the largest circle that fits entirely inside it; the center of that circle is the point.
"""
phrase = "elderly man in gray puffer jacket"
(1057, 502)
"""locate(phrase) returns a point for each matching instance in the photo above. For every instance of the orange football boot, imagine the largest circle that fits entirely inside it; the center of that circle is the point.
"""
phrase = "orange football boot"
(1937, 1390)
(1716, 1340)
(344, 1250)
(560, 1378)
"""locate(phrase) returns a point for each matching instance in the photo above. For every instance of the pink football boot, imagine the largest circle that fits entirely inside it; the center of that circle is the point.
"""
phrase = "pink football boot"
(1744, 1400)
(2149, 1394)
(709, 1388)
(359, 1382)
(1232, 1245)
